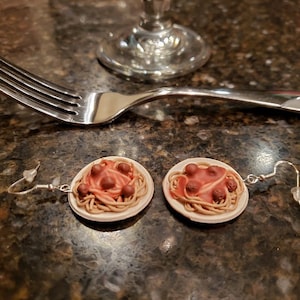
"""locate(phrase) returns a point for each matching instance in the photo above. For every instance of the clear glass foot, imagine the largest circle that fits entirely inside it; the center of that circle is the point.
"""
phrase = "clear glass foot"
(154, 50)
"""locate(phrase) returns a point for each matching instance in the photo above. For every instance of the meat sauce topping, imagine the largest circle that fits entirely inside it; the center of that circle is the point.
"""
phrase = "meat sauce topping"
(210, 183)
(106, 177)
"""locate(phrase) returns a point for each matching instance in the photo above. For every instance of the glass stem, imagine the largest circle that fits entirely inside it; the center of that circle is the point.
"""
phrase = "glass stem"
(155, 17)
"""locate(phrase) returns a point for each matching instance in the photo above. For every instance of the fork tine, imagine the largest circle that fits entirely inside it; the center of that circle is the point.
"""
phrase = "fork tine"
(36, 92)
(41, 106)
(30, 102)
(15, 86)
(42, 84)
(34, 99)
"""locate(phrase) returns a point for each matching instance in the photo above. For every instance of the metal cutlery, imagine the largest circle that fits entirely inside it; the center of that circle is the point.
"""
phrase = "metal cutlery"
(103, 107)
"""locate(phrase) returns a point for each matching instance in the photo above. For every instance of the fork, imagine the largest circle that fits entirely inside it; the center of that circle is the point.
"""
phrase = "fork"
(104, 107)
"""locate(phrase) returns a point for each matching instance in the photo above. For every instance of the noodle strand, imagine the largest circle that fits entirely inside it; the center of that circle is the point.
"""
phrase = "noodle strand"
(100, 201)
(195, 203)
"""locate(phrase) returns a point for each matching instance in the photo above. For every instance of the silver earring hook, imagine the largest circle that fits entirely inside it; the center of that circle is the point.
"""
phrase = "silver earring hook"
(252, 179)
(28, 177)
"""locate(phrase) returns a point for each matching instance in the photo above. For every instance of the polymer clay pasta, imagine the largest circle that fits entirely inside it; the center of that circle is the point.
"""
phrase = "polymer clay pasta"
(206, 188)
(110, 185)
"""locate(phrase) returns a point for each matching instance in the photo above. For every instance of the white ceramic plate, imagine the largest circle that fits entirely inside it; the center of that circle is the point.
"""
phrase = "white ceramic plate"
(112, 216)
(197, 217)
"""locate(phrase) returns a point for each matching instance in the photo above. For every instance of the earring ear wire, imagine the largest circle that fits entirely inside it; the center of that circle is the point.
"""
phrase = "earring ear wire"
(252, 179)
(28, 177)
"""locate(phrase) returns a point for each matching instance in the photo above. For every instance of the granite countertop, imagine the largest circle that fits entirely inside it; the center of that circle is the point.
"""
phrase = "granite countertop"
(48, 252)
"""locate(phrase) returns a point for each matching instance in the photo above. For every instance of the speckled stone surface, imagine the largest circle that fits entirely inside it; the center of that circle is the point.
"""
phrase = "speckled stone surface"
(46, 252)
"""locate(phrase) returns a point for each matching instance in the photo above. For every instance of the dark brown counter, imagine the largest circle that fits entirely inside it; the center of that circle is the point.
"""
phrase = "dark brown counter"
(47, 252)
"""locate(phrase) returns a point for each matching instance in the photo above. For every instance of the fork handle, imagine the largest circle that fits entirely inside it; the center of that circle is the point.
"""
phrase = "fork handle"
(285, 100)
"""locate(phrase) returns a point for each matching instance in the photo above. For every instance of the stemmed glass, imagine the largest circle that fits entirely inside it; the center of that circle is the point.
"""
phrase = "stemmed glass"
(155, 49)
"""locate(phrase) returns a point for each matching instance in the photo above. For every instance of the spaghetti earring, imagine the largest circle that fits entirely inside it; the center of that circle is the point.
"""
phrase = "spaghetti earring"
(108, 189)
(209, 191)
(205, 190)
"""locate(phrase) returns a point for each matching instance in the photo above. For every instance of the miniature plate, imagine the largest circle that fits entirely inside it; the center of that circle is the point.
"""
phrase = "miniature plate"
(113, 216)
(197, 217)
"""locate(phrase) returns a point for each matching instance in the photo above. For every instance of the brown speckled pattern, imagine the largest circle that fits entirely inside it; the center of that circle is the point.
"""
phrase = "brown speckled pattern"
(46, 252)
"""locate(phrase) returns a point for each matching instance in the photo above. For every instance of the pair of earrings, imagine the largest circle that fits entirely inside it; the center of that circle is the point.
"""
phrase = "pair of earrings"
(26, 185)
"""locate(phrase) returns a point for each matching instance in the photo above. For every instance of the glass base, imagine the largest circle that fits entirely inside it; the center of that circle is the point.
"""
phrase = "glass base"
(154, 56)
